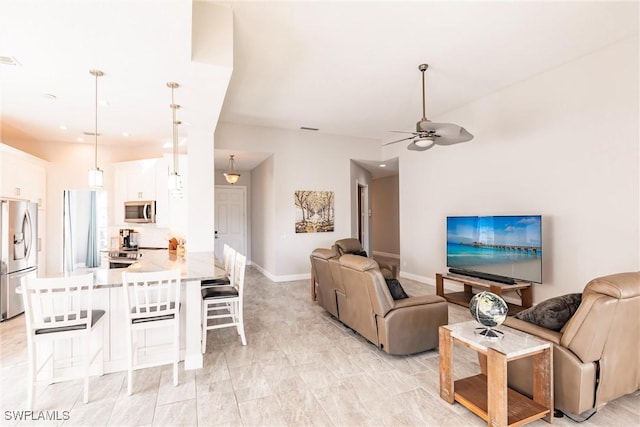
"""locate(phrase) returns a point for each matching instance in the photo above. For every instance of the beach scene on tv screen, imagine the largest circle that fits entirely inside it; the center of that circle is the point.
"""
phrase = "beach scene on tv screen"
(509, 246)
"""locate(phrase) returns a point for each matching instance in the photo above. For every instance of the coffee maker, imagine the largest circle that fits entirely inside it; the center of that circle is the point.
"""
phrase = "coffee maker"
(128, 239)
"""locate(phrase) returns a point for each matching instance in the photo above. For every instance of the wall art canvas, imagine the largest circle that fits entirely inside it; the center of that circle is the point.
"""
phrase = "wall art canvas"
(314, 211)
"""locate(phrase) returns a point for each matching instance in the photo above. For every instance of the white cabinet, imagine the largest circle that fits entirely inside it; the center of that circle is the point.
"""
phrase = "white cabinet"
(142, 180)
(23, 178)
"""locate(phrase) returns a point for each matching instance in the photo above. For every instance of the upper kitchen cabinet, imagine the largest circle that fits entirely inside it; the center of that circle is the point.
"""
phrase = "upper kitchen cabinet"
(23, 176)
(142, 180)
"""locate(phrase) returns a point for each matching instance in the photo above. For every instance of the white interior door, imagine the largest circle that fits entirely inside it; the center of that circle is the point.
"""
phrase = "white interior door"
(230, 218)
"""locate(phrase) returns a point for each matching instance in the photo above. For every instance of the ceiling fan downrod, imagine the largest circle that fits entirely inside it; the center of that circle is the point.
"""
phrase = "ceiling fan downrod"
(423, 68)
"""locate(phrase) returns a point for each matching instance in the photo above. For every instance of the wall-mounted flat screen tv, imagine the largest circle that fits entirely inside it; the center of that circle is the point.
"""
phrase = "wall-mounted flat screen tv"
(503, 246)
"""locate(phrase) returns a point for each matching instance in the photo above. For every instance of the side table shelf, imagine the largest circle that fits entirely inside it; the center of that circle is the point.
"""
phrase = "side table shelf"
(487, 394)
(463, 298)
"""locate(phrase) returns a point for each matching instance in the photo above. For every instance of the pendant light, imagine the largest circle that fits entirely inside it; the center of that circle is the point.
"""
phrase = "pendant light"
(95, 174)
(175, 180)
(231, 175)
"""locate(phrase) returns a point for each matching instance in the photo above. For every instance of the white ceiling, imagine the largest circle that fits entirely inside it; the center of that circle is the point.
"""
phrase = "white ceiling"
(346, 68)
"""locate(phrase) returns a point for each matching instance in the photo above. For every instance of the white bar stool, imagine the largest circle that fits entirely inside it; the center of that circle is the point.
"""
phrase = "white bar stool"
(53, 311)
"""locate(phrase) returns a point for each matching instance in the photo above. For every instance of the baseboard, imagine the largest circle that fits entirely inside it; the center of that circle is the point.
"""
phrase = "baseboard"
(386, 254)
(421, 279)
(285, 278)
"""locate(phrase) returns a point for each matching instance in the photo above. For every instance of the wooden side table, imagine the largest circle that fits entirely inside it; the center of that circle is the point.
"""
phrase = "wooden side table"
(487, 394)
(463, 298)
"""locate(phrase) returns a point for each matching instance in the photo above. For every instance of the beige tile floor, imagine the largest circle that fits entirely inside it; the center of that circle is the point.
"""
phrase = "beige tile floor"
(300, 367)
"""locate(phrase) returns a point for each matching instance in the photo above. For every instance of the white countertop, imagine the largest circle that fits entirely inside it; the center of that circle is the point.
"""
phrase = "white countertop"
(195, 266)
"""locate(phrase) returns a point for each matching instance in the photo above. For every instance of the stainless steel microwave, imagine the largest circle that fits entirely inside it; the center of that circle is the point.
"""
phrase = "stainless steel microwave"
(140, 211)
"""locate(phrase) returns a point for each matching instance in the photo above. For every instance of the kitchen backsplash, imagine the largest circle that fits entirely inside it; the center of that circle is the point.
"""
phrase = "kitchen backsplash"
(150, 236)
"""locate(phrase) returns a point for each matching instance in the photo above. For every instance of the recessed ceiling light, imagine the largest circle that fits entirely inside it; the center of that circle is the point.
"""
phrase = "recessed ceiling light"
(9, 60)
(63, 127)
(382, 165)
(80, 139)
(125, 134)
(50, 96)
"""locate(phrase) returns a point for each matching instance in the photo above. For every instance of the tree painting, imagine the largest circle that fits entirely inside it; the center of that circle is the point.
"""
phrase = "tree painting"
(314, 211)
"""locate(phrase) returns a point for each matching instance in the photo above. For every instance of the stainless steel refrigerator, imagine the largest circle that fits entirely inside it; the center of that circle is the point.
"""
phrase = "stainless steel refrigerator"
(18, 252)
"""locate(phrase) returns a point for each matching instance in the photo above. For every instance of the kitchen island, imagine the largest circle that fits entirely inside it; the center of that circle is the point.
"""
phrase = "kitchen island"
(108, 296)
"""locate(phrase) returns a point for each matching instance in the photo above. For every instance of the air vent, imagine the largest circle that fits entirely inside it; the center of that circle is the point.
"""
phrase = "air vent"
(308, 128)
(90, 133)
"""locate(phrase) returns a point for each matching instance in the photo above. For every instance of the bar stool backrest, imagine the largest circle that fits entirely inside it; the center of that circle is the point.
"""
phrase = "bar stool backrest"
(151, 295)
(63, 303)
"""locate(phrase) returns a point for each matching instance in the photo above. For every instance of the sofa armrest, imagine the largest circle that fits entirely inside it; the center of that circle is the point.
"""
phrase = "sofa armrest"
(389, 271)
(417, 300)
(535, 330)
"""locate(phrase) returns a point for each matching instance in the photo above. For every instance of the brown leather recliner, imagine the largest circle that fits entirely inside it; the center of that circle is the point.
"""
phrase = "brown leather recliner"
(596, 355)
(353, 246)
(403, 326)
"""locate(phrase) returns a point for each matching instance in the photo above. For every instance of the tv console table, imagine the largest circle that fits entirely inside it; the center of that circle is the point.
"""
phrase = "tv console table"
(463, 298)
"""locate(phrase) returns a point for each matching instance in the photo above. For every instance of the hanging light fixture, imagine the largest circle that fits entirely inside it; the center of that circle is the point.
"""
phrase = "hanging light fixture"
(231, 175)
(96, 178)
(175, 180)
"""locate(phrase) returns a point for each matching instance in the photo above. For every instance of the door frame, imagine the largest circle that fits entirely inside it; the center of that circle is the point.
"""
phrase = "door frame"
(362, 202)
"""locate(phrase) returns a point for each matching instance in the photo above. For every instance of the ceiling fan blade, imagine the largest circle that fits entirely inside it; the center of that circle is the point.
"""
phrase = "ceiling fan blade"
(403, 131)
(400, 140)
(462, 136)
(414, 147)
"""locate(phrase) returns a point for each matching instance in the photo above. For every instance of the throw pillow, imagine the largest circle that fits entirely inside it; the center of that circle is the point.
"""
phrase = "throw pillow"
(552, 313)
(396, 289)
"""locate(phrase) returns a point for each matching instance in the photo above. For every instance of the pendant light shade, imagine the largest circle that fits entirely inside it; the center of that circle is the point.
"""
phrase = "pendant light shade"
(175, 180)
(231, 175)
(96, 179)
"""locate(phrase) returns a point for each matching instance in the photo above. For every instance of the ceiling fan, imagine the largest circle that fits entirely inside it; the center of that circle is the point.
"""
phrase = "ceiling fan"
(428, 133)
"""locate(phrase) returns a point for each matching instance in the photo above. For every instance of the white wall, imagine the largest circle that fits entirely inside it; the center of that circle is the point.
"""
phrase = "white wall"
(263, 215)
(302, 160)
(564, 144)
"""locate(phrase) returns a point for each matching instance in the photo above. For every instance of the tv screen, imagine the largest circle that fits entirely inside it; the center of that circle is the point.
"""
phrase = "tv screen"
(507, 246)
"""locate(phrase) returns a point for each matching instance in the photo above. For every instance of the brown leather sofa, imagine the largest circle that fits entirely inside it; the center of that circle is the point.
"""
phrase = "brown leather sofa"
(353, 246)
(353, 289)
(596, 355)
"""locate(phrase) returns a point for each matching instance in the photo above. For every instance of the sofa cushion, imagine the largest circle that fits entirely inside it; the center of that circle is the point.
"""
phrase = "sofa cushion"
(552, 313)
(396, 289)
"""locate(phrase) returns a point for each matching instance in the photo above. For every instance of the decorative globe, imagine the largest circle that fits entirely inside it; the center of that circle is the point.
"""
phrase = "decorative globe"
(489, 310)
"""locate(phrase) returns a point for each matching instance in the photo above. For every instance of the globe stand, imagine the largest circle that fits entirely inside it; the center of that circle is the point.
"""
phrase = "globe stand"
(489, 333)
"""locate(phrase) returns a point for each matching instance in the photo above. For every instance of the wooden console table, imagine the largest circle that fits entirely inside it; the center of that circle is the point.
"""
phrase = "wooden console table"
(487, 394)
(463, 298)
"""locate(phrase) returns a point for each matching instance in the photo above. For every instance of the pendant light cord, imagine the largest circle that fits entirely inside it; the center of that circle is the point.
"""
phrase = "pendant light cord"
(173, 85)
(95, 131)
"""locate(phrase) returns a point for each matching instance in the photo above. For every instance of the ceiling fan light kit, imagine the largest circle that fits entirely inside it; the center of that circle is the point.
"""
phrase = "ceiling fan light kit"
(428, 133)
